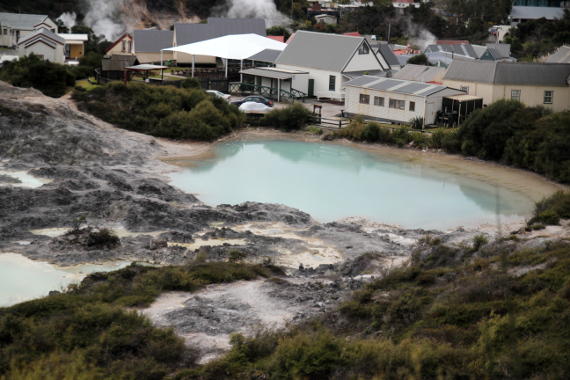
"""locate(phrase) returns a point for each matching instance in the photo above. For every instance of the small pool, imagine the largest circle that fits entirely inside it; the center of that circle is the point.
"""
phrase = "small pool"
(333, 181)
(23, 279)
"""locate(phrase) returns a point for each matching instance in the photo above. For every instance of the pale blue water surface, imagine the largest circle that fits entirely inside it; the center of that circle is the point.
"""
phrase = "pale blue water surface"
(331, 181)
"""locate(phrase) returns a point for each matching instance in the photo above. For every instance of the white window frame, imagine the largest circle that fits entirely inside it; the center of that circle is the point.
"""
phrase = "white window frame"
(464, 88)
(379, 101)
(397, 104)
(364, 99)
(548, 94)
(516, 95)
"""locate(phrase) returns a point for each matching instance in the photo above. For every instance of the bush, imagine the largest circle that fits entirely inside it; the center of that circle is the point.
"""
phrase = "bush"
(417, 122)
(295, 116)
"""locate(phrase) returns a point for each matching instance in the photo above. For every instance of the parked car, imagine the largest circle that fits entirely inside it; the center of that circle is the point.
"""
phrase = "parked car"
(254, 98)
(219, 94)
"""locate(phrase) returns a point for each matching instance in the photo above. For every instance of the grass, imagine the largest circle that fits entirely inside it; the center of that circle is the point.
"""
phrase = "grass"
(86, 85)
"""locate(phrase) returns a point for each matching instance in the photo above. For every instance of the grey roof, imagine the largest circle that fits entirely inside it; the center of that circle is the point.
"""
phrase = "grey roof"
(217, 27)
(321, 51)
(152, 41)
(118, 62)
(465, 49)
(479, 50)
(388, 55)
(418, 73)
(21, 21)
(272, 73)
(42, 33)
(267, 55)
(503, 49)
(396, 85)
(495, 54)
(562, 55)
(523, 73)
(533, 13)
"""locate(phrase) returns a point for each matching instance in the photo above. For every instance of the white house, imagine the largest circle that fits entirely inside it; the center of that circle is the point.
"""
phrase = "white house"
(14, 26)
(330, 60)
(43, 43)
(395, 100)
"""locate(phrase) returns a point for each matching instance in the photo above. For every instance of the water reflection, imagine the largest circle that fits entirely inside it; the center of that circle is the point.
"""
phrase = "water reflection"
(333, 181)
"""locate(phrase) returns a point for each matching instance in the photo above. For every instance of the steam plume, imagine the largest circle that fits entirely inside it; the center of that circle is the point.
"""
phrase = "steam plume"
(104, 17)
(265, 9)
(68, 19)
(420, 36)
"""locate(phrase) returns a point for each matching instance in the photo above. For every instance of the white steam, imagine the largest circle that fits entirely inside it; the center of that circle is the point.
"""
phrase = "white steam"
(265, 9)
(420, 37)
(68, 19)
(104, 17)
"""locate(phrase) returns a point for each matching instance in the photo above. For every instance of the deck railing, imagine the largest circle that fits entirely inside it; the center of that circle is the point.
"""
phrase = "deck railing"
(269, 92)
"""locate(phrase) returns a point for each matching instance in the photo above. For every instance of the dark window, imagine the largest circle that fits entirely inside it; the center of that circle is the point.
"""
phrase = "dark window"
(332, 80)
(124, 45)
(363, 49)
(412, 106)
(398, 104)
(516, 95)
(5, 31)
(465, 88)
(548, 95)
(130, 46)
(378, 101)
(364, 99)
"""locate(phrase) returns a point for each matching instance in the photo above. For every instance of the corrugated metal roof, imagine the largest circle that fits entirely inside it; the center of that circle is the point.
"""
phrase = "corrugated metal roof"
(471, 71)
(267, 55)
(42, 32)
(396, 85)
(388, 55)
(118, 62)
(187, 33)
(152, 41)
(21, 21)
(479, 50)
(562, 55)
(418, 73)
(533, 13)
(470, 51)
(532, 73)
(320, 50)
(503, 49)
(495, 53)
(268, 73)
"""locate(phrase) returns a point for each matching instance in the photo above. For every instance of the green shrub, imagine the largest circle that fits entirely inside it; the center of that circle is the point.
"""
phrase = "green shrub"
(417, 122)
(479, 241)
(295, 116)
(191, 83)
(371, 132)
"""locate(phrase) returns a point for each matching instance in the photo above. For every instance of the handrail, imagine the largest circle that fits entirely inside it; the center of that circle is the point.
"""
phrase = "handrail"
(270, 92)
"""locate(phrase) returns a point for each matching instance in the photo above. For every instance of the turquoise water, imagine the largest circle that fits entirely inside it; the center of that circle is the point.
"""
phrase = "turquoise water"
(22, 279)
(332, 181)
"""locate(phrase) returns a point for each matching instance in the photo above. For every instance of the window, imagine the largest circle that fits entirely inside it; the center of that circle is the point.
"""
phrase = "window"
(516, 95)
(130, 46)
(364, 99)
(412, 106)
(464, 88)
(363, 49)
(378, 101)
(398, 104)
(548, 97)
(332, 80)
(5, 31)
(124, 45)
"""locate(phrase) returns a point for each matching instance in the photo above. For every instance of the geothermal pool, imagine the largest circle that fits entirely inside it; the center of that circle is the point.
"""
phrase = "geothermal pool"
(333, 181)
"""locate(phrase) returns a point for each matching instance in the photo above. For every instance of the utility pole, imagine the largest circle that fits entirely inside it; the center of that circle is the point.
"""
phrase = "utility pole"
(389, 27)
(291, 9)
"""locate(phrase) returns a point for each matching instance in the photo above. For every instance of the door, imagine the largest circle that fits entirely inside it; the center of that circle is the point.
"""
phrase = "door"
(311, 90)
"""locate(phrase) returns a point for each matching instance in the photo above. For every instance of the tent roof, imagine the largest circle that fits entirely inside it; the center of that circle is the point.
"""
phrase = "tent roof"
(146, 67)
(235, 46)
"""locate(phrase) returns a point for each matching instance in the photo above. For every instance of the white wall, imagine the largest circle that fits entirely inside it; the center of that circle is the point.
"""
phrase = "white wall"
(41, 49)
(365, 62)
(321, 77)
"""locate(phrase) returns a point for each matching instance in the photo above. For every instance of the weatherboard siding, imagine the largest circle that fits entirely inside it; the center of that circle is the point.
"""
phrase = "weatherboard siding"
(321, 78)
(482, 90)
(154, 57)
(534, 95)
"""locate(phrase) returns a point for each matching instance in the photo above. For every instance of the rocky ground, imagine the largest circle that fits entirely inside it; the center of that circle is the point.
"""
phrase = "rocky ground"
(61, 169)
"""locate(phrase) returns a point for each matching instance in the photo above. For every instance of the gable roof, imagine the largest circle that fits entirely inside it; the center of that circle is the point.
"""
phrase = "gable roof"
(465, 49)
(152, 41)
(562, 55)
(42, 34)
(388, 55)
(451, 42)
(267, 55)
(21, 21)
(495, 53)
(119, 40)
(321, 50)
(396, 85)
(523, 73)
(118, 62)
(187, 33)
(418, 73)
(503, 49)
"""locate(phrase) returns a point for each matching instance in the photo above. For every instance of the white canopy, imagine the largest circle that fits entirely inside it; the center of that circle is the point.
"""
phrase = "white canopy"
(234, 46)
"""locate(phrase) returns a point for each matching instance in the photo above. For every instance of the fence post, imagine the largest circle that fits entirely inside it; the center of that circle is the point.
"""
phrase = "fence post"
(339, 124)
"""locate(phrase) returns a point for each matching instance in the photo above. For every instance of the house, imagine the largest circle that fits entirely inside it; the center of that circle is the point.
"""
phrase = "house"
(113, 67)
(524, 10)
(395, 100)
(14, 26)
(451, 42)
(43, 43)
(419, 73)
(562, 55)
(322, 7)
(400, 5)
(148, 44)
(497, 52)
(325, 19)
(533, 83)
(331, 60)
(74, 48)
(123, 45)
(186, 33)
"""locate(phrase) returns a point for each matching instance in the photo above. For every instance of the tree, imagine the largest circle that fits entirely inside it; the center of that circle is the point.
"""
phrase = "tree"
(279, 31)
(420, 59)
(93, 40)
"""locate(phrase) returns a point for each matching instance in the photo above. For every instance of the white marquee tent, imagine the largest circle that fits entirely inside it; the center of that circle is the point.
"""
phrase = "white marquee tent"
(234, 46)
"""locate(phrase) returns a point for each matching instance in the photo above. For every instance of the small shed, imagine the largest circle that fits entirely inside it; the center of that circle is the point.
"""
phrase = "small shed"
(459, 107)
(113, 67)
(145, 68)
